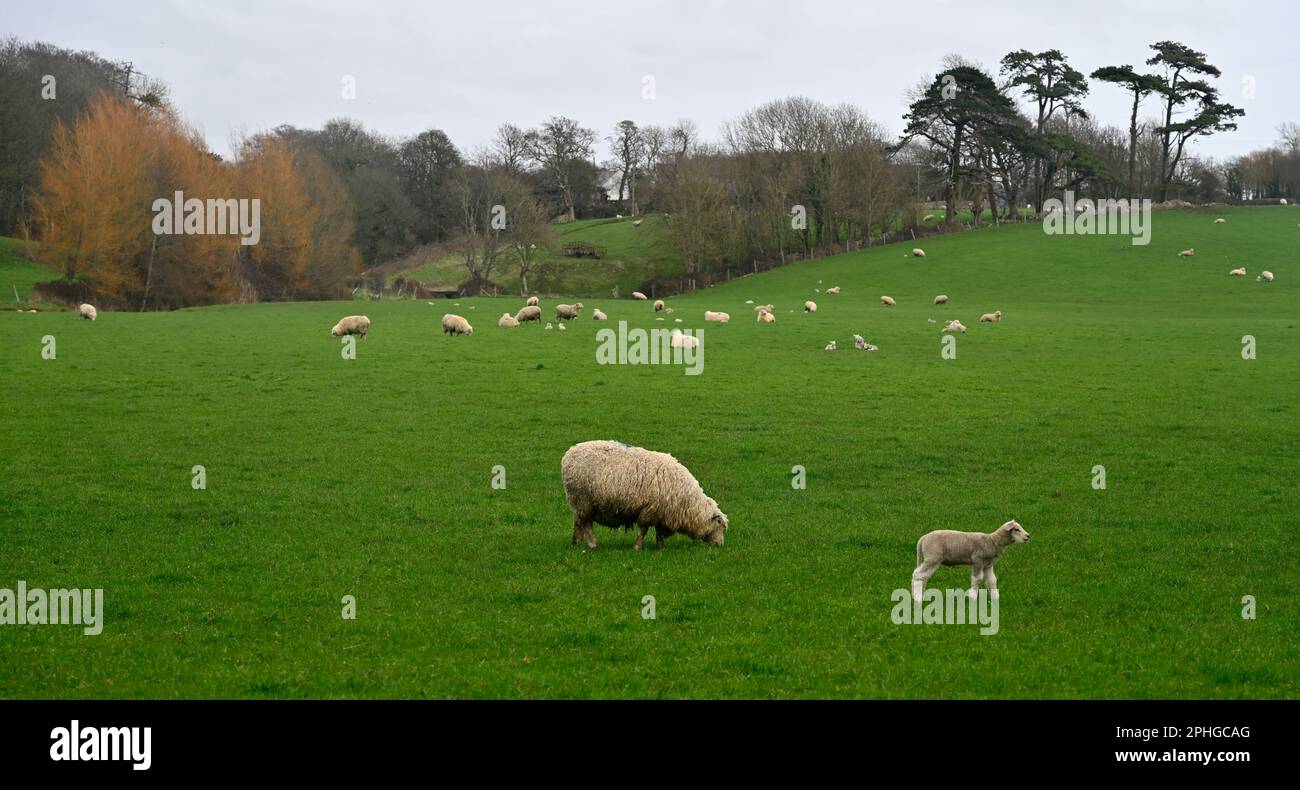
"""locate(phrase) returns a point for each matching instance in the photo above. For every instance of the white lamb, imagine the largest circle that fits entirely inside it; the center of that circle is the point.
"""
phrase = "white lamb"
(977, 549)
(1241, 272)
(810, 307)
(887, 301)
(1265, 276)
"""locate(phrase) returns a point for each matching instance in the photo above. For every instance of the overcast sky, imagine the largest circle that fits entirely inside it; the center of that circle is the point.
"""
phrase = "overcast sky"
(465, 67)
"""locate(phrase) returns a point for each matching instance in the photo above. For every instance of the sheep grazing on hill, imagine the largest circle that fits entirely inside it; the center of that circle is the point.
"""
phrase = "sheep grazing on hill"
(351, 325)
(617, 485)
(888, 301)
(597, 315)
(659, 305)
(453, 324)
(1265, 276)
(508, 321)
(679, 340)
(88, 312)
(810, 307)
(954, 327)
(834, 290)
(1241, 272)
(710, 315)
(532, 301)
(941, 299)
(1187, 253)
(977, 549)
(991, 318)
(918, 253)
(764, 317)
(530, 313)
(567, 312)
(831, 346)
(640, 297)
(1220, 221)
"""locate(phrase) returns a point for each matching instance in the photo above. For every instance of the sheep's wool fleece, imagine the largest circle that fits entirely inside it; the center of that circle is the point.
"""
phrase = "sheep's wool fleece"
(619, 485)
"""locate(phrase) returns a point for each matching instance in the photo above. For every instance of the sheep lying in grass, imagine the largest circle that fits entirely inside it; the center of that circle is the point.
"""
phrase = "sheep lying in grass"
(659, 305)
(617, 485)
(1187, 253)
(532, 301)
(453, 324)
(977, 549)
(1220, 221)
(918, 253)
(991, 318)
(1265, 276)
(561, 326)
(507, 321)
(887, 301)
(597, 315)
(954, 327)
(810, 307)
(530, 313)
(548, 326)
(351, 325)
(765, 317)
(680, 340)
(720, 317)
(834, 290)
(640, 297)
(87, 311)
(941, 299)
(567, 312)
(763, 308)
(831, 346)
(1241, 272)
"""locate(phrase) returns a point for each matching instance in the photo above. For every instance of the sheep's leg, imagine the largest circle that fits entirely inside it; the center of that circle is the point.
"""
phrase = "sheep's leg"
(991, 581)
(919, 577)
(976, 573)
(582, 530)
(660, 537)
(640, 538)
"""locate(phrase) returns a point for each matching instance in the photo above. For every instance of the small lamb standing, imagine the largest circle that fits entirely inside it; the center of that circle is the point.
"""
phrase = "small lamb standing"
(1187, 253)
(1265, 276)
(1238, 272)
(618, 485)
(453, 324)
(991, 318)
(351, 325)
(918, 253)
(810, 307)
(887, 301)
(977, 549)
(87, 311)
(508, 321)
(659, 305)
(941, 299)
(532, 301)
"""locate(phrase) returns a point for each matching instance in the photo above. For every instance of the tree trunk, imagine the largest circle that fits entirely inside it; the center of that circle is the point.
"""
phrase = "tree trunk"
(1133, 145)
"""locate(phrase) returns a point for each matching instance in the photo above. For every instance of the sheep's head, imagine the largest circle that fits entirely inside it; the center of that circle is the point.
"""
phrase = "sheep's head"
(335, 331)
(1015, 532)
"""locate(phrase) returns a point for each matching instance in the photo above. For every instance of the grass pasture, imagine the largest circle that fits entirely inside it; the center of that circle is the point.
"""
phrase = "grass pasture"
(371, 477)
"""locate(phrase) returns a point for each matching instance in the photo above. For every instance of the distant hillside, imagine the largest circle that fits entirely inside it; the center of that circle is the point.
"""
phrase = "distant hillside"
(18, 274)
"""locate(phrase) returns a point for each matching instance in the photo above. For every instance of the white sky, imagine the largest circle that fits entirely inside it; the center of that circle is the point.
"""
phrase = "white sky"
(468, 66)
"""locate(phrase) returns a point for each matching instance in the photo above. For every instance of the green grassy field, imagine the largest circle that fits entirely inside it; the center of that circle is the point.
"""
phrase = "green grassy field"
(372, 478)
(18, 274)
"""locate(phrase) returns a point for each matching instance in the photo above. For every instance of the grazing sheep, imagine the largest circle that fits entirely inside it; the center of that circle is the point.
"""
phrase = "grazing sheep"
(530, 313)
(977, 549)
(1238, 272)
(887, 301)
(810, 307)
(834, 290)
(859, 342)
(918, 253)
(763, 308)
(88, 312)
(765, 317)
(532, 301)
(453, 324)
(991, 318)
(1265, 276)
(351, 325)
(1282, 201)
(508, 321)
(597, 315)
(1220, 221)
(680, 340)
(1187, 253)
(941, 299)
(710, 315)
(831, 346)
(640, 297)
(568, 312)
(953, 327)
(659, 305)
(617, 485)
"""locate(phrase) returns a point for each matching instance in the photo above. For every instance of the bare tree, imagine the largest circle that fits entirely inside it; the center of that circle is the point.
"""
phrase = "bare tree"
(560, 147)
